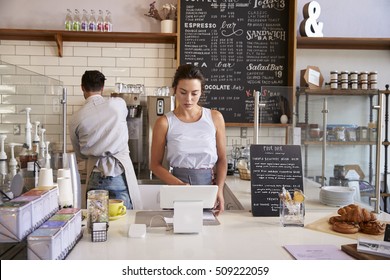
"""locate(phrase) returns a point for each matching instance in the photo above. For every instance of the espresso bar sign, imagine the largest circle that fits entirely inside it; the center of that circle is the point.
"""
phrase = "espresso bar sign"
(272, 168)
(240, 45)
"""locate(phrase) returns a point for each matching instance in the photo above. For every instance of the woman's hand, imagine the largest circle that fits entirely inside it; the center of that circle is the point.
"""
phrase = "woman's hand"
(219, 206)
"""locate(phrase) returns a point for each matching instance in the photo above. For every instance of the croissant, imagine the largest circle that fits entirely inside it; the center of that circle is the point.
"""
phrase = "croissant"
(355, 214)
(372, 227)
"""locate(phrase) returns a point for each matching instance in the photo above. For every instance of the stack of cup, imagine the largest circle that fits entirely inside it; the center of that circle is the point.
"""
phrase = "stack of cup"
(65, 192)
(45, 178)
(63, 173)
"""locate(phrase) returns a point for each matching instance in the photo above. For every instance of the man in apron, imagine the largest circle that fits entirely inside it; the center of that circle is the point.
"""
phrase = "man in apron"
(99, 134)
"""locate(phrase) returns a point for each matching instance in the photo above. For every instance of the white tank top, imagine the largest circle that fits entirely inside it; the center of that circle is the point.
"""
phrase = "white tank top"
(191, 145)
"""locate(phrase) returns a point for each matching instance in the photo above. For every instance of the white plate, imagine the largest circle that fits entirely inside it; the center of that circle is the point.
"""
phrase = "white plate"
(337, 196)
(338, 190)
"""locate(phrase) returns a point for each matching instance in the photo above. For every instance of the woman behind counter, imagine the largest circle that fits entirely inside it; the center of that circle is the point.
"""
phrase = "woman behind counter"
(194, 137)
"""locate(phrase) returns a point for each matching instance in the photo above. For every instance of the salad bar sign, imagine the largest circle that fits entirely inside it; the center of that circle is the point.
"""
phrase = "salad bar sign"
(240, 45)
(273, 167)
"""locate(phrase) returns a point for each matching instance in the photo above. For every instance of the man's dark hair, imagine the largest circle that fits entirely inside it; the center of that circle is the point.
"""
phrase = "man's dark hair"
(188, 72)
(93, 80)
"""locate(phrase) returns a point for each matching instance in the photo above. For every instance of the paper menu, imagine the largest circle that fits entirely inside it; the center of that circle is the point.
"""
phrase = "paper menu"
(317, 252)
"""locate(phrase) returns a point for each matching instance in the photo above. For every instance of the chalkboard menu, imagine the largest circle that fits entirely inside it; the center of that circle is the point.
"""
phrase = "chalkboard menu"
(240, 45)
(272, 168)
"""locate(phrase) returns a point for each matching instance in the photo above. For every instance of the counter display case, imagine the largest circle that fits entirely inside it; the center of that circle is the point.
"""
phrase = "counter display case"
(339, 135)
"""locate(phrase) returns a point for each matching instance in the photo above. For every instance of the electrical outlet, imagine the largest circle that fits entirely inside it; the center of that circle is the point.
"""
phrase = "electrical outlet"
(244, 132)
(17, 129)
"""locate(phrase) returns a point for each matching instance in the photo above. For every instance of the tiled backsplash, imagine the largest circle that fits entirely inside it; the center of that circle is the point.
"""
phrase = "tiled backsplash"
(132, 63)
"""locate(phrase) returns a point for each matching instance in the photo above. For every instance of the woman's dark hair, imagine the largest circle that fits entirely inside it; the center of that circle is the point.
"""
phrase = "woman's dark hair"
(93, 80)
(188, 72)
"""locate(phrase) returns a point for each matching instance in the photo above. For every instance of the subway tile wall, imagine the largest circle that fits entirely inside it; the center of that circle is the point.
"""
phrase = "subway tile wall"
(132, 63)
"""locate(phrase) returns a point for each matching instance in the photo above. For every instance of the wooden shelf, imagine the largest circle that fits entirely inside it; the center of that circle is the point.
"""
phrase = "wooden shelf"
(59, 36)
(339, 143)
(343, 43)
(340, 92)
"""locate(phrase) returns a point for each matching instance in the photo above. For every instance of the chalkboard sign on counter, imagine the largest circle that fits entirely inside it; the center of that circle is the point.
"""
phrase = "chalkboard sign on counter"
(272, 168)
(240, 45)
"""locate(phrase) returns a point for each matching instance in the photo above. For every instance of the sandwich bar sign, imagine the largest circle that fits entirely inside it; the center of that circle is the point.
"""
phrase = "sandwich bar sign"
(272, 168)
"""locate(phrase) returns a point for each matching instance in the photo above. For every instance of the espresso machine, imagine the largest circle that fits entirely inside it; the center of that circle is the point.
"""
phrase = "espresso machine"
(158, 105)
(131, 94)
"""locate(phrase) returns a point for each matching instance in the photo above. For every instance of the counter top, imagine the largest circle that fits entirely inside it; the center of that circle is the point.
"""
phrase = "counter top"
(239, 235)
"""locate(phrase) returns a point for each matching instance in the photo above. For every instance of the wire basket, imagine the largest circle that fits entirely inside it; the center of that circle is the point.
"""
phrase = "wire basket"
(245, 174)
(99, 232)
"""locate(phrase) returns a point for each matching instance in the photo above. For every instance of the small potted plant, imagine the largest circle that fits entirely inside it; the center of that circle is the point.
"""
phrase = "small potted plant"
(167, 16)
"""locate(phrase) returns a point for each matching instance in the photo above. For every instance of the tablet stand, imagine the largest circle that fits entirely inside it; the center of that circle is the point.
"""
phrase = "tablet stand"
(187, 216)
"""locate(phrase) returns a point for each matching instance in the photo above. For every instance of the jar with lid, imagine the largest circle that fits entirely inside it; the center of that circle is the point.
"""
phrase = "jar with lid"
(363, 76)
(334, 75)
(362, 133)
(340, 133)
(354, 84)
(372, 133)
(344, 75)
(97, 207)
(364, 85)
(315, 133)
(373, 76)
(353, 75)
(339, 171)
(344, 84)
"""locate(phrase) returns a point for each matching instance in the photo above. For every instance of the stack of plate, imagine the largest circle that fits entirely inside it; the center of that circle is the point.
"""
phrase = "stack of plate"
(337, 196)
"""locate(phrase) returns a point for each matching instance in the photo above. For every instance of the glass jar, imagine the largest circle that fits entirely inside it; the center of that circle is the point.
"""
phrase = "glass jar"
(333, 84)
(363, 76)
(334, 75)
(362, 133)
(339, 171)
(373, 76)
(97, 207)
(344, 75)
(344, 84)
(353, 75)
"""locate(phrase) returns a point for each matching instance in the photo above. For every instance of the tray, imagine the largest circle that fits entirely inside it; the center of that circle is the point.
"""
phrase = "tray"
(351, 249)
(323, 225)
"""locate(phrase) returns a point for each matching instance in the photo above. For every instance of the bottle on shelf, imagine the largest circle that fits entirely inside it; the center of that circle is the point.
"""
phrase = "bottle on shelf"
(100, 22)
(76, 21)
(92, 21)
(69, 20)
(108, 22)
(36, 139)
(84, 21)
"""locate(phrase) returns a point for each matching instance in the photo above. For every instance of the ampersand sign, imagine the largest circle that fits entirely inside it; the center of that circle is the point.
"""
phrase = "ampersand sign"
(309, 26)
